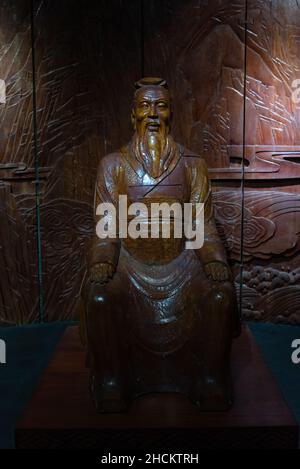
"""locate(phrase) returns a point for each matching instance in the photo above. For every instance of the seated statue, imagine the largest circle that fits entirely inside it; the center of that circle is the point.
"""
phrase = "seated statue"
(158, 317)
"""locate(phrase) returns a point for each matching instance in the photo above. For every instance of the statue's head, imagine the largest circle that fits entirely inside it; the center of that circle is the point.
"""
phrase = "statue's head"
(151, 112)
(151, 117)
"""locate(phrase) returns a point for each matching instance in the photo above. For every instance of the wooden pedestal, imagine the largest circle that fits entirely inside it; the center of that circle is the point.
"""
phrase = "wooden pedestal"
(61, 414)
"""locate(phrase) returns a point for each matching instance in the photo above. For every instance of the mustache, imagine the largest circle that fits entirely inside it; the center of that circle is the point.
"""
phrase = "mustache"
(153, 123)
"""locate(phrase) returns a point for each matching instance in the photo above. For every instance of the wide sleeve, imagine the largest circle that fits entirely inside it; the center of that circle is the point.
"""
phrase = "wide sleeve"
(106, 189)
(212, 249)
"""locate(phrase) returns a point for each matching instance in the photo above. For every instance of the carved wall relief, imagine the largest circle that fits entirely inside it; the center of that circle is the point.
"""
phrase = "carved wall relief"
(270, 280)
(87, 61)
(271, 244)
(204, 47)
(88, 55)
(18, 259)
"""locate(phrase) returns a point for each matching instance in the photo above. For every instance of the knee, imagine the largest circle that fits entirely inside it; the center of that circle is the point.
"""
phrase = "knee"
(219, 296)
(222, 294)
(98, 296)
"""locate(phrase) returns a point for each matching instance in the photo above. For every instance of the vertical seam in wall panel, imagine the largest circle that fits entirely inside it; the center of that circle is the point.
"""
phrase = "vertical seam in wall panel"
(37, 173)
(243, 159)
(142, 38)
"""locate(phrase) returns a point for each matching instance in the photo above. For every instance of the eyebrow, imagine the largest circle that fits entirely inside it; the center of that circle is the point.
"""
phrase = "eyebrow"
(150, 99)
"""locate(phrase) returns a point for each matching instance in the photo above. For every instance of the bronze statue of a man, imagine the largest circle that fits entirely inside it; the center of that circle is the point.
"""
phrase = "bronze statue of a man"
(159, 317)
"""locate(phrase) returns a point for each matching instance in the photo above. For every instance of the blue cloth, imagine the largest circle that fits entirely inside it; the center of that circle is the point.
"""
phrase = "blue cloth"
(28, 351)
(275, 342)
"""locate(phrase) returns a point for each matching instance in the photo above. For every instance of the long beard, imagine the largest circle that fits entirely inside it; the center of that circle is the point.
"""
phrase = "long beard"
(156, 152)
(153, 147)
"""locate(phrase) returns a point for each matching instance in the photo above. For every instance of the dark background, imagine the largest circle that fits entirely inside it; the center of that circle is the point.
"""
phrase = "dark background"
(87, 56)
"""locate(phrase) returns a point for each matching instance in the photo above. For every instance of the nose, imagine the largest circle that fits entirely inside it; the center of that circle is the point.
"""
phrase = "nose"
(153, 110)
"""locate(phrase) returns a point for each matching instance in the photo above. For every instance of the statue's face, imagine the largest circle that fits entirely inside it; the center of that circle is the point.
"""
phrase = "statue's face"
(151, 112)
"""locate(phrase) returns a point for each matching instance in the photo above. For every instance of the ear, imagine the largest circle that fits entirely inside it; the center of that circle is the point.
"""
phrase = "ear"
(133, 119)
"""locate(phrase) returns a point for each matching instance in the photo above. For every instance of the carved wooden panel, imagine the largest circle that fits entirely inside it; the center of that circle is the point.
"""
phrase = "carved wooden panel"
(88, 55)
(199, 47)
(88, 58)
(270, 280)
(271, 274)
(18, 259)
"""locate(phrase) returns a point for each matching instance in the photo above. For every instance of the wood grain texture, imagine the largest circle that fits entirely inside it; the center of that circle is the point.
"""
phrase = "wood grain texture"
(18, 259)
(200, 48)
(87, 62)
(270, 280)
(88, 55)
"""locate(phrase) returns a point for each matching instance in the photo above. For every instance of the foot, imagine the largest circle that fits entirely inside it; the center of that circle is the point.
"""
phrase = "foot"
(107, 395)
(210, 394)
